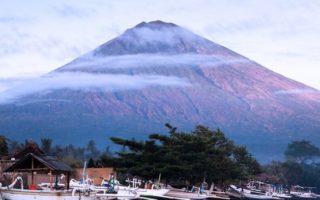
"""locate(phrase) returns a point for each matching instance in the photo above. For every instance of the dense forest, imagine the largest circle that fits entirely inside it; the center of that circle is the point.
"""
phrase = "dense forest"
(187, 158)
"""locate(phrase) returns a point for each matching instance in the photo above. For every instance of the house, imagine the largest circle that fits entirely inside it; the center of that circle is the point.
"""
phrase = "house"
(36, 167)
(7, 161)
(41, 168)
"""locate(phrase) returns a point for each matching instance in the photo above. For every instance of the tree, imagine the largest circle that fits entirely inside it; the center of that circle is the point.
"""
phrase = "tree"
(301, 151)
(15, 146)
(105, 160)
(299, 168)
(3, 146)
(275, 173)
(91, 150)
(46, 145)
(293, 172)
(186, 157)
(91, 163)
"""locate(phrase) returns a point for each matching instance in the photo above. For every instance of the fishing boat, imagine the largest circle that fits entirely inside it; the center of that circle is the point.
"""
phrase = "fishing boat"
(261, 188)
(302, 192)
(281, 192)
(151, 190)
(237, 192)
(196, 193)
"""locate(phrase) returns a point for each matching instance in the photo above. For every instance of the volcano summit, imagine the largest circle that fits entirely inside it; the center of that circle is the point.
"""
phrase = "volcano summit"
(156, 73)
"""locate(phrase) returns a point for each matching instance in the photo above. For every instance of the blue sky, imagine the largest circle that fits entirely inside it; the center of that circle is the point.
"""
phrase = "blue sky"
(38, 36)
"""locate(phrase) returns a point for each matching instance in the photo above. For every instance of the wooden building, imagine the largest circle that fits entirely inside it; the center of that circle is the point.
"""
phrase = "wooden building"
(45, 165)
(35, 167)
(9, 160)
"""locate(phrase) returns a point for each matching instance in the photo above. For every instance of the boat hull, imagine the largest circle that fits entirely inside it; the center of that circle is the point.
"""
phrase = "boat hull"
(14, 194)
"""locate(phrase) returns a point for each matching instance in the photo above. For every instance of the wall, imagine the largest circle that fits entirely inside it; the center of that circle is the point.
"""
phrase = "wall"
(94, 173)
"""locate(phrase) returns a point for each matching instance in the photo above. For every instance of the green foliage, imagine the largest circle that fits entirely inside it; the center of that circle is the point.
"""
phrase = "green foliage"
(302, 151)
(186, 157)
(3, 146)
(46, 145)
(91, 163)
(106, 160)
(275, 173)
(91, 151)
(300, 168)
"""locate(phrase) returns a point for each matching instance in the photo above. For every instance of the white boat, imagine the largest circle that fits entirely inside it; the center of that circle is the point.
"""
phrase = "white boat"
(133, 189)
(261, 188)
(11, 193)
(245, 193)
(195, 193)
(186, 195)
(302, 192)
(316, 195)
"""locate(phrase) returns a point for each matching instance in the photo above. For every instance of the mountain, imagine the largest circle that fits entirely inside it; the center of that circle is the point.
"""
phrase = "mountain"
(156, 73)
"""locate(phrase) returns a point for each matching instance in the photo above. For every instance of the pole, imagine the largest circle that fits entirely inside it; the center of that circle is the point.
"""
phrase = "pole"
(68, 180)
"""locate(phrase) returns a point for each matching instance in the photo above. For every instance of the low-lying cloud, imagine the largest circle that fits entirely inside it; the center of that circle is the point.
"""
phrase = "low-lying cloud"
(87, 82)
(96, 63)
(297, 91)
(10, 82)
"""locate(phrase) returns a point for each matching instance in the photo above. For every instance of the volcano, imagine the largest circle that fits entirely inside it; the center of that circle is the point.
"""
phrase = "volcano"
(157, 73)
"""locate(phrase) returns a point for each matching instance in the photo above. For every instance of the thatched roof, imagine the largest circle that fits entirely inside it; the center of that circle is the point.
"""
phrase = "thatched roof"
(39, 163)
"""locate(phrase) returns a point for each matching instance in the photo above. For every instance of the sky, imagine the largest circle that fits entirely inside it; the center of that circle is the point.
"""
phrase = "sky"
(37, 37)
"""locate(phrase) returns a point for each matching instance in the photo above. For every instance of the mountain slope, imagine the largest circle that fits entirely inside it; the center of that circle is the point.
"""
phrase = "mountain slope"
(159, 72)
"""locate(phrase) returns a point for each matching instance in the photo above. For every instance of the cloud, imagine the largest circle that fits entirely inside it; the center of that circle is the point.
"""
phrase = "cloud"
(297, 91)
(169, 34)
(87, 82)
(95, 63)
(72, 11)
(13, 19)
(7, 83)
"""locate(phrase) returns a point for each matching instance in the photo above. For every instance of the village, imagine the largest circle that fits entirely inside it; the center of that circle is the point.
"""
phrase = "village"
(31, 174)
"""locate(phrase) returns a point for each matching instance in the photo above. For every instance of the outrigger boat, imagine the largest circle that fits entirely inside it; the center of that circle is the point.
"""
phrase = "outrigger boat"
(197, 193)
(236, 192)
(261, 188)
(150, 191)
(303, 192)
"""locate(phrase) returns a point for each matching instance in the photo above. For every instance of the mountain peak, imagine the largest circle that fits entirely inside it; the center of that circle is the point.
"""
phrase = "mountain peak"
(157, 37)
(157, 24)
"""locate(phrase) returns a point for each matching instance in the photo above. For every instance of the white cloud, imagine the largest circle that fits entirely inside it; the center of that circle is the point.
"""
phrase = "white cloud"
(96, 63)
(297, 91)
(87, 81)
(7, 83)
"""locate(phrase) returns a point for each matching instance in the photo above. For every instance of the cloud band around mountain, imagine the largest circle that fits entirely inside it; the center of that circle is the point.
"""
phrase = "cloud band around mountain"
(88, 81)
(95, 63)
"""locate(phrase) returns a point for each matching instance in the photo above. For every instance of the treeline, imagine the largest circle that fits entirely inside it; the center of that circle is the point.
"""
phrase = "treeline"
(300, 167)
(188, 158)
(70, 154)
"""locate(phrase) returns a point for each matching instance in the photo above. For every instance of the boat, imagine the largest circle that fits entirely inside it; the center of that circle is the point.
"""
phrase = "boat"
(302, 192)
(261, 188)
(197, 193)
(151, 190)
(11, 193)
(281, 192)
(237, 192)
